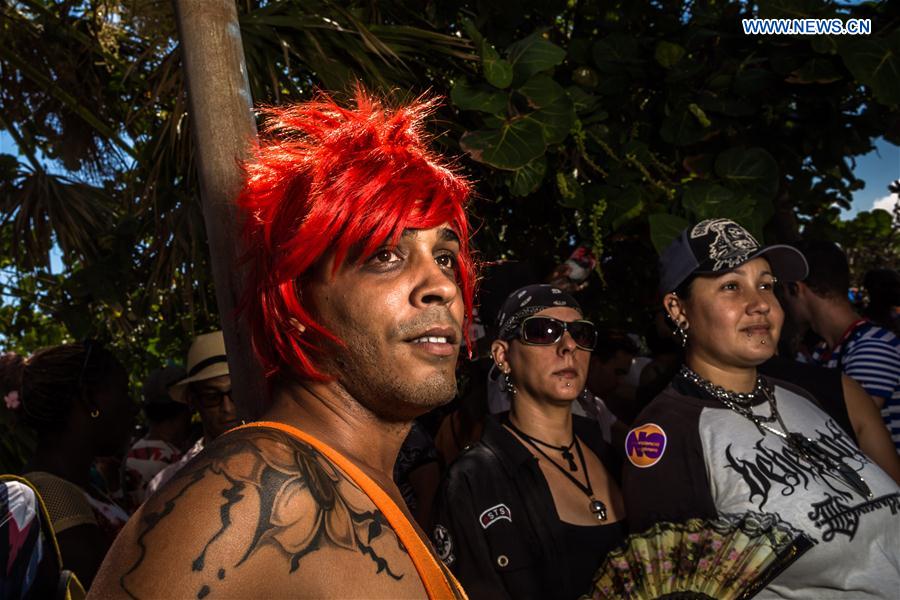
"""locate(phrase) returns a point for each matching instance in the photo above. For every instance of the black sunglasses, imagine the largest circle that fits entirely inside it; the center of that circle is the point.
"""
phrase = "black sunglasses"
(211, 398)
(544, 331)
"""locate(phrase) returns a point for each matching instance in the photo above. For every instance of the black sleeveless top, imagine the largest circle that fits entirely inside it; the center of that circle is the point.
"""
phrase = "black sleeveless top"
(585, 550)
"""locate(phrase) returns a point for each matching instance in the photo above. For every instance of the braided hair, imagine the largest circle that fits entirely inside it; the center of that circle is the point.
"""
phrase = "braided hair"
(53, 380)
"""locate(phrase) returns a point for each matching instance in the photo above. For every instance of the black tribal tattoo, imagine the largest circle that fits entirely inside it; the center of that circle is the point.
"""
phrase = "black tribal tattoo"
(276, 468)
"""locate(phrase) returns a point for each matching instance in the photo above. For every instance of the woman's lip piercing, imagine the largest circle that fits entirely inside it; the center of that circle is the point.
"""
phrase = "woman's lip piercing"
(568, 384)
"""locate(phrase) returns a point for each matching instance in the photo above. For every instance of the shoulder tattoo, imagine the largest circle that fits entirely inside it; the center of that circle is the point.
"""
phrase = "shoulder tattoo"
(276, 468)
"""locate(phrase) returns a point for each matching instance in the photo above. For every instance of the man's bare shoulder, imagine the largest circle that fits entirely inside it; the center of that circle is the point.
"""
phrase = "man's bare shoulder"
(263, 513)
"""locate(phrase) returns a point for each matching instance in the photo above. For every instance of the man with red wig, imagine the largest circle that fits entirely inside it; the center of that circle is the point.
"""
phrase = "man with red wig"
(360, 279)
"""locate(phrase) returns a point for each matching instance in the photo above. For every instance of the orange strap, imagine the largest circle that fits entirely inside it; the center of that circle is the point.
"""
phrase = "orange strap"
(438, 585)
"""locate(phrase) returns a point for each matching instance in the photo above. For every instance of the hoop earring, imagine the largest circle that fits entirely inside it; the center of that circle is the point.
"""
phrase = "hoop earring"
(95, 413)
(508, 384)
(681, 332)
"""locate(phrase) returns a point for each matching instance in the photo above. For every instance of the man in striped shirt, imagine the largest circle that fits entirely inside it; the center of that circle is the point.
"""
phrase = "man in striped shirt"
(867, 352)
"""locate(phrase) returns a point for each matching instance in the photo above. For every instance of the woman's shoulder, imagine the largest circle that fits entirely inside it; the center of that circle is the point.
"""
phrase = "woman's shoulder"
(671, 405)
(474, 459)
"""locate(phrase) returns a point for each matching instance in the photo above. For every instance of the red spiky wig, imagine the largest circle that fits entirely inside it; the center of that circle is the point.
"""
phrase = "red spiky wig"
(331, 179)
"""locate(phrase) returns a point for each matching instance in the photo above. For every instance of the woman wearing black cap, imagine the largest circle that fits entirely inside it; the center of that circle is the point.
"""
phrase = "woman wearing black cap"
(531, 510)
(722, 439)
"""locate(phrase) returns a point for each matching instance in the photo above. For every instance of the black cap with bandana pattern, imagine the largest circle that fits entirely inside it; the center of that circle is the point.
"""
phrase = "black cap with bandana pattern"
(718, 245)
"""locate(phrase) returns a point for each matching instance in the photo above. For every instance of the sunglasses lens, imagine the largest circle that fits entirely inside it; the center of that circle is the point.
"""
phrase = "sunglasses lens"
(541, 330)
(584, 333)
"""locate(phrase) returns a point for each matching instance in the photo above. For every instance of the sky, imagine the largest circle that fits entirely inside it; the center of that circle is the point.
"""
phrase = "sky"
(877, 169)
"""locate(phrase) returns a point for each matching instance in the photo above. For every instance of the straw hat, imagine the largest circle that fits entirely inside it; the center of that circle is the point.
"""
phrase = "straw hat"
(205, 360)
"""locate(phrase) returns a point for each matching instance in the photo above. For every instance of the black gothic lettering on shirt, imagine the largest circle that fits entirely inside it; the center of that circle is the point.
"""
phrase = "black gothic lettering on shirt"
(277, 469)
(834, 517)
(785, 468)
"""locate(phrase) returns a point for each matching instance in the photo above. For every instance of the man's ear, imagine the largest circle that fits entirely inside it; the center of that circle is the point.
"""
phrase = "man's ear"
(500, 352)
(674, 307)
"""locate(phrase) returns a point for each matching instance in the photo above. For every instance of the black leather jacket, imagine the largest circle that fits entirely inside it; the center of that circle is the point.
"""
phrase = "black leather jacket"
(496, 525)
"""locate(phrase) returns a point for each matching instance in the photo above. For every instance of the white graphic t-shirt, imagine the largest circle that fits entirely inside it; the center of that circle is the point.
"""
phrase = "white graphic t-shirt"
(711, 461)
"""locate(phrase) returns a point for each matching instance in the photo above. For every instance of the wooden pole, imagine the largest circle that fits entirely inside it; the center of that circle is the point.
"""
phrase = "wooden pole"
(221, 115)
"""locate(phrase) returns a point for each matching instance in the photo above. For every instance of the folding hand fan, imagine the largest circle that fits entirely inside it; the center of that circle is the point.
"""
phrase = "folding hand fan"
(731, 557)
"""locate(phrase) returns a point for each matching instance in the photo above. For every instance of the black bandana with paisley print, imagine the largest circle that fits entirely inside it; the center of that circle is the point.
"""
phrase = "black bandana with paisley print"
(527, 301)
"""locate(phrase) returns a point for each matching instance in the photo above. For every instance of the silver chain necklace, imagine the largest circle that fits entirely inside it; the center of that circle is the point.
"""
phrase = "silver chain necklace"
(823, 462)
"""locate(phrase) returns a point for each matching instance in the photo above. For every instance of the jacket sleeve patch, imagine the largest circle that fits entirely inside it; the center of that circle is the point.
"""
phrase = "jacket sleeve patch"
(443, 544)
(494, 514)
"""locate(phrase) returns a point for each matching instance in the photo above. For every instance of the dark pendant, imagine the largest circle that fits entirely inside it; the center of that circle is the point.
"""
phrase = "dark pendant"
(567, 454)
(816, 455)
(598, 509)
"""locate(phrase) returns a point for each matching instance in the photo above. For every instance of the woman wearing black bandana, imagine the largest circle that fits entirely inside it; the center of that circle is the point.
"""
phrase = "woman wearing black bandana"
(723, 440)
(532, 509)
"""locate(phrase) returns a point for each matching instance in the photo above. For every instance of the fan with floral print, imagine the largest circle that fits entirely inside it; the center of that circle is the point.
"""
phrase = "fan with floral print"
(731, 557)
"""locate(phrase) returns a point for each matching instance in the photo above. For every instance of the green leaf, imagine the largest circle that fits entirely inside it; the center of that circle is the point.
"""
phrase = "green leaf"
(570, 193)
(824, 44)
(707, 200)
(617, 53)
(469, 97)
(556, 111)
(623, 206)
(498, 72)
(518, 142)
(681, 128)
(534, 54)
(876, 63)
(579, 51)
(556, 121)
(584, 102)
(541, 91)
(472, 32)
(752, 82)
(528, 179)
(664, 228)
(668, 54)
(730, 107)
(753, 169)
(816, 70)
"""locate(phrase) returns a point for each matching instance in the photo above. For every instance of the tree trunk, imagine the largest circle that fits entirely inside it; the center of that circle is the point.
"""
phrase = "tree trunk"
(223, 129)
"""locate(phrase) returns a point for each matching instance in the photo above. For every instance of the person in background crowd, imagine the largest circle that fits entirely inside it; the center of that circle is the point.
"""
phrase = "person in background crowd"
(417, 473)
(360, 282)
(844, 400)
(207, 389)
(18, 441)
(76, 397)
(169, 425)
(531, 510)
(610, 363)
(29, 562)
(724, 440)
(883, 287)
(666, 353)
(463, 427)
(867, 352)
